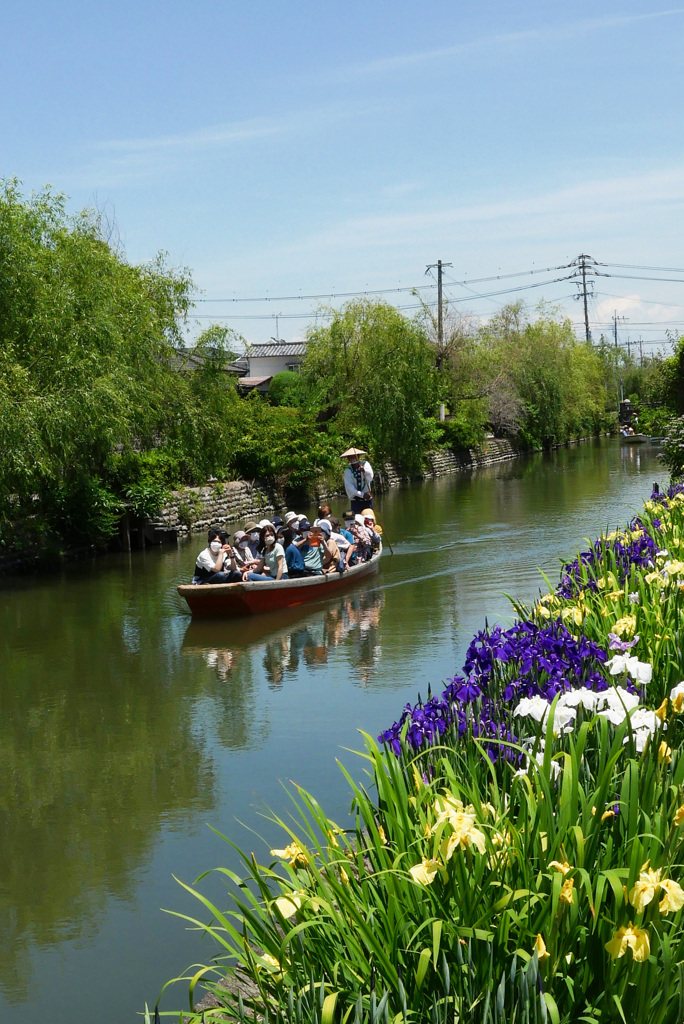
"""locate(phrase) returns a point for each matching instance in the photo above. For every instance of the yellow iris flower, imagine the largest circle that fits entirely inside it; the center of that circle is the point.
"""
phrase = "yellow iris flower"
(563, 866)
(625, 626)
(289, 905)
(567, 891)
(664, 753)
(662, 711)
(540, 947)
(294, 854)
(679, 816)
(632, 938)
(463, 835)
(425, 872)
(648, 884)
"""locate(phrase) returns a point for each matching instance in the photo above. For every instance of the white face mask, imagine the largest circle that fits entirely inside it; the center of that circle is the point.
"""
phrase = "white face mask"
(216, 546)
(269, 541)
(254, 536)
(244, 544)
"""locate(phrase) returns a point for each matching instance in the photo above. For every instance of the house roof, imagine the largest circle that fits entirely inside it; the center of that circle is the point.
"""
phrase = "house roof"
(252, 382)
(277, 348)
(189, 359)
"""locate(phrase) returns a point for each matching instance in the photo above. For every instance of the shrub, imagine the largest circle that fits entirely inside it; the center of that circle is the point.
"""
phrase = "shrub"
(673, 447)
(461, 432)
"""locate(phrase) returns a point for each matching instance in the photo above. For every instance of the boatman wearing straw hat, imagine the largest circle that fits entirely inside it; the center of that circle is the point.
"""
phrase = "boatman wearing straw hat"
(358, 477)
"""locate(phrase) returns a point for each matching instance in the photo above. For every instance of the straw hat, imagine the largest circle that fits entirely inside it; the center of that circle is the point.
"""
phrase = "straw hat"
(353, 451)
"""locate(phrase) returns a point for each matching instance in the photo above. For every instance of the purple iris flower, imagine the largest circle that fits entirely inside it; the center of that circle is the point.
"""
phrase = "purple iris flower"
(501, 667)
(616, 644)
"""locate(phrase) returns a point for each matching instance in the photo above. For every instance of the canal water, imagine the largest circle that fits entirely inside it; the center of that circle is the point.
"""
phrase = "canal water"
(126, 730)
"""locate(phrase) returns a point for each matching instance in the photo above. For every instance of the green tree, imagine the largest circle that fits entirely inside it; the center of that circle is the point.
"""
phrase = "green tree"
(554, 383)
(289, 388)
(374, 372)
(86, 351)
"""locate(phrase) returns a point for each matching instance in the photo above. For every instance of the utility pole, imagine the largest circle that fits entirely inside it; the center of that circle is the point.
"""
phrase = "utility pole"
(616, 318)
(585, 265)
(440, 329)
(641, 354)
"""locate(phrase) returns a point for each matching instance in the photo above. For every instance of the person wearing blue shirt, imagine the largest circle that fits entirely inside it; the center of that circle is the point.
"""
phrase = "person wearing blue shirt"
(293, 556)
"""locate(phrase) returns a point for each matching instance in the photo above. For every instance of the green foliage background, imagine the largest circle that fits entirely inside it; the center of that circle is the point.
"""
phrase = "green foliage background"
(102, 407)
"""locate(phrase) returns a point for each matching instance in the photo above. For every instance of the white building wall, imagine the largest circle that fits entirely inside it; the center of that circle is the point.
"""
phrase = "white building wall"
(268, 366)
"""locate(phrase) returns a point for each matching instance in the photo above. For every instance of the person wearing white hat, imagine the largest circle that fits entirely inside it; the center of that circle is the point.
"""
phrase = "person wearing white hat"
(331, 553)
(362, 538)
(358, 477)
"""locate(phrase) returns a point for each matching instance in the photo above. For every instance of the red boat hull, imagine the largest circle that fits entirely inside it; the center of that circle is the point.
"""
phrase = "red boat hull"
(233, 600)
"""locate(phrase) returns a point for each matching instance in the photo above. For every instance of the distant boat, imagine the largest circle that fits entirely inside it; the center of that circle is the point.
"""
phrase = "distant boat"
(635, 438)
(232, 600)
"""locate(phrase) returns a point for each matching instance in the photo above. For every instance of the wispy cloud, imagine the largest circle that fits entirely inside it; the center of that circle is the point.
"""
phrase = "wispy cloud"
(583, 205)
(508, 40)
(216, 136)
(121, 162)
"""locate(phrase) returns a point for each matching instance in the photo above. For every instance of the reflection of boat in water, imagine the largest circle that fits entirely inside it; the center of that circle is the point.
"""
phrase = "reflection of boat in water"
(292, 639)
(233, 600)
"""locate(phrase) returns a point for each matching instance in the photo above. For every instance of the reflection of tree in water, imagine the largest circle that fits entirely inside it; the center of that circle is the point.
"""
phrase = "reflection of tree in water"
(99, 753)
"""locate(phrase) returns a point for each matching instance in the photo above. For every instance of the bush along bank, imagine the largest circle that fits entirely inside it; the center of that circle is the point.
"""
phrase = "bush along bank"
(518, 851)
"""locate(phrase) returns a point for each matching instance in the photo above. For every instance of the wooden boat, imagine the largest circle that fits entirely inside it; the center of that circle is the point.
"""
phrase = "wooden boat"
(232, 600)
(634, 438)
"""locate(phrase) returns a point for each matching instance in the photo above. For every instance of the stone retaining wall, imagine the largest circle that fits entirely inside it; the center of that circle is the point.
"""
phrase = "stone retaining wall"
(197, 508)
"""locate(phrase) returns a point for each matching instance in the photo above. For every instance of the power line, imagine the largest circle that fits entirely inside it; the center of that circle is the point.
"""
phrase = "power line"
(634, 266)
(383, 291)
(638, 277)
(321, 295)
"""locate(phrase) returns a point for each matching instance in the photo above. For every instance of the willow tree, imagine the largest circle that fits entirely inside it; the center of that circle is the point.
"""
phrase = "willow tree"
(86, 360)
(374, 373)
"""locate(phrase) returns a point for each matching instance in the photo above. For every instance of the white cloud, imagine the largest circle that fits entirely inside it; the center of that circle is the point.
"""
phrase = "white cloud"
(590, 203)
(504, 40)
(121, 162)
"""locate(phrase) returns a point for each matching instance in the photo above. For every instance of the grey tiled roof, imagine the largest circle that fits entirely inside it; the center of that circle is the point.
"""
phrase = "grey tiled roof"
(277, 348)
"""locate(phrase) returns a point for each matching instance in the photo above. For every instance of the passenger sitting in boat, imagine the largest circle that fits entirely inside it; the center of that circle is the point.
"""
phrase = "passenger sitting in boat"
(375, 531)
(279, 526)
(293, 556)
(364, 542)
(271, 566)
(343, 541)
(215, 564)
(291, 517)
(348, 518)
(331, 553)
(242, 551)
(310, 549)
(252, 531)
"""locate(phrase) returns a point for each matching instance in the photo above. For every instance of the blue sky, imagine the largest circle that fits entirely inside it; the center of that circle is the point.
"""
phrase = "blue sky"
(301, 148)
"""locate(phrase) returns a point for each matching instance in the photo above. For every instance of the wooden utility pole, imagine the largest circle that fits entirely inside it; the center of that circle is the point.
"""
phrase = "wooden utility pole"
(440, 325)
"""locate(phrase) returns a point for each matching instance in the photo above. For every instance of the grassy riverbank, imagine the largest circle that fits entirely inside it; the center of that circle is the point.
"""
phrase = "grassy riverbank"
(518, 843)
